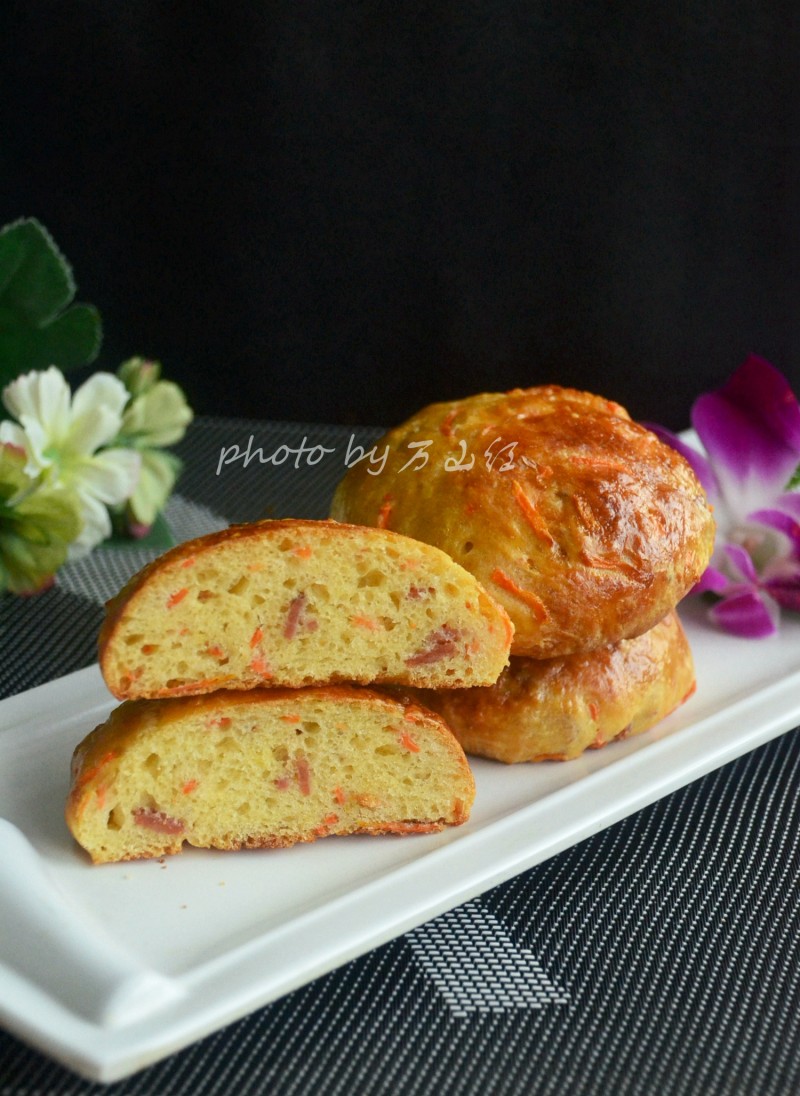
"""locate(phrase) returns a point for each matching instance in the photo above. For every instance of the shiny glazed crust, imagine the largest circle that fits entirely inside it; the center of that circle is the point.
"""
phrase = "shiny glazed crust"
(554, 709)
(296, 603)
(581, 523)
(266, 768)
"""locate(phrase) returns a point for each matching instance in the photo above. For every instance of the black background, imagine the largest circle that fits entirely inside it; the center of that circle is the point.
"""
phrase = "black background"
(341, 211)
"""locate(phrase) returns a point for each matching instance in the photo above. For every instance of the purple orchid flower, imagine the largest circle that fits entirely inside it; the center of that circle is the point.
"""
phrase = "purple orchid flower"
(750, 431)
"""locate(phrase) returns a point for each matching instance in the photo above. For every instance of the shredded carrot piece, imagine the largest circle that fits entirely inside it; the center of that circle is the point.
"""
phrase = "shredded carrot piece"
(530, 513)
(446, 425)
(607, 564)
(603, 464)
(385, 511)
(507, 583)
(293, 717)
(339, 795)
(331, 819)
(408, 742)
(218, 721)
(189, 562)
(101, 797)
(365, 622)
(257, 636)
(303, 551)
(148, 648)
(215, 650)
(190, 786)
(414, 717)
(594, 711)
(177, 597)
(259, 665)
(90, 774)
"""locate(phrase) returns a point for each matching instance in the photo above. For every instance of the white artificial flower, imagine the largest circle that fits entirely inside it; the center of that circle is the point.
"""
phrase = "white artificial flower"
(61, 434)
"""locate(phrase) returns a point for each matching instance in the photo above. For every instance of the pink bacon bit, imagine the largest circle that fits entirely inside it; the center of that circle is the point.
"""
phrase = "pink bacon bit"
(440, 644)
(296, 619)
(158, 821)
(418, 593)
(302, 772)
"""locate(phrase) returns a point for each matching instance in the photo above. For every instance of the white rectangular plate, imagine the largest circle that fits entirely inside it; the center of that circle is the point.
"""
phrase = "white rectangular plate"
(224, 933)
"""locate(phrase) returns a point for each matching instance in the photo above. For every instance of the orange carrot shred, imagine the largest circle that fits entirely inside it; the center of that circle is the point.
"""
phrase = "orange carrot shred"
(292, 717)
(303, 551)
(177, 597)
(365, 622)
(339, 795)
(385, 512)
(408, 742)
(259, 665)
(189, 562)
(190, 786)
(257, 636)
(530, 513)
(507, 583)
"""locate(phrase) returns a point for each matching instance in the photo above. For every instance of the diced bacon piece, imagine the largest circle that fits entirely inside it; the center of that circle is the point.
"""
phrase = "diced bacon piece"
(440, 644)
(296, 619)
(157, 820)
(303, 774)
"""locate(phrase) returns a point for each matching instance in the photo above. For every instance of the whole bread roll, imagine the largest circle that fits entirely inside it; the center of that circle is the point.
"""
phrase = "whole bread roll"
(266, 768)
(554, 709)
(295, 603)
(581, 523)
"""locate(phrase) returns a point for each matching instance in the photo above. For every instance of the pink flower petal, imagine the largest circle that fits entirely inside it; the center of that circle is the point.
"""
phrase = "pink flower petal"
(711, 580)
(783, 522)
(743, 566)
(746, 614)
(785, 591)
(750, 428)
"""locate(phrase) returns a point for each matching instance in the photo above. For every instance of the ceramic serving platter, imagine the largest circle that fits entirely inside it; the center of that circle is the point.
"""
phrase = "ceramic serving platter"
(110, 968)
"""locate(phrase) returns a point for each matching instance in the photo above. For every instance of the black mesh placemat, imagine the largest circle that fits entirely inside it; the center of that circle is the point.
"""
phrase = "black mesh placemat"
(658, 958)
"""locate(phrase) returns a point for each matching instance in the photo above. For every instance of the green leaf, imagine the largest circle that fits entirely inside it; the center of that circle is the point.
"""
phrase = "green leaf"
(794, 482)
(39, 325)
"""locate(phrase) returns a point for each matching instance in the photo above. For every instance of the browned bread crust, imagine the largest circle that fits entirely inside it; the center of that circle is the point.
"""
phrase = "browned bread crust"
(583, 524)
(295, 603)
(554, 709)
(265, 768)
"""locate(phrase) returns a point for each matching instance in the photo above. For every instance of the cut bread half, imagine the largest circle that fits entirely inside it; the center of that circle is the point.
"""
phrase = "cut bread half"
(296, 603)
(266, 768)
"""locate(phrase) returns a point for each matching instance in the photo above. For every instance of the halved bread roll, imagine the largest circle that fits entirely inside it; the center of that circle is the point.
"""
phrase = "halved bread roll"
(295, 603)
(554, 709)
(266, 768)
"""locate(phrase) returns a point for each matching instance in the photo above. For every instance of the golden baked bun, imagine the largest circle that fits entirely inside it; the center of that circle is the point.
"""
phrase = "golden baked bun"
(294, 603)
(266, 768)
(554, 709)
(583, 524)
